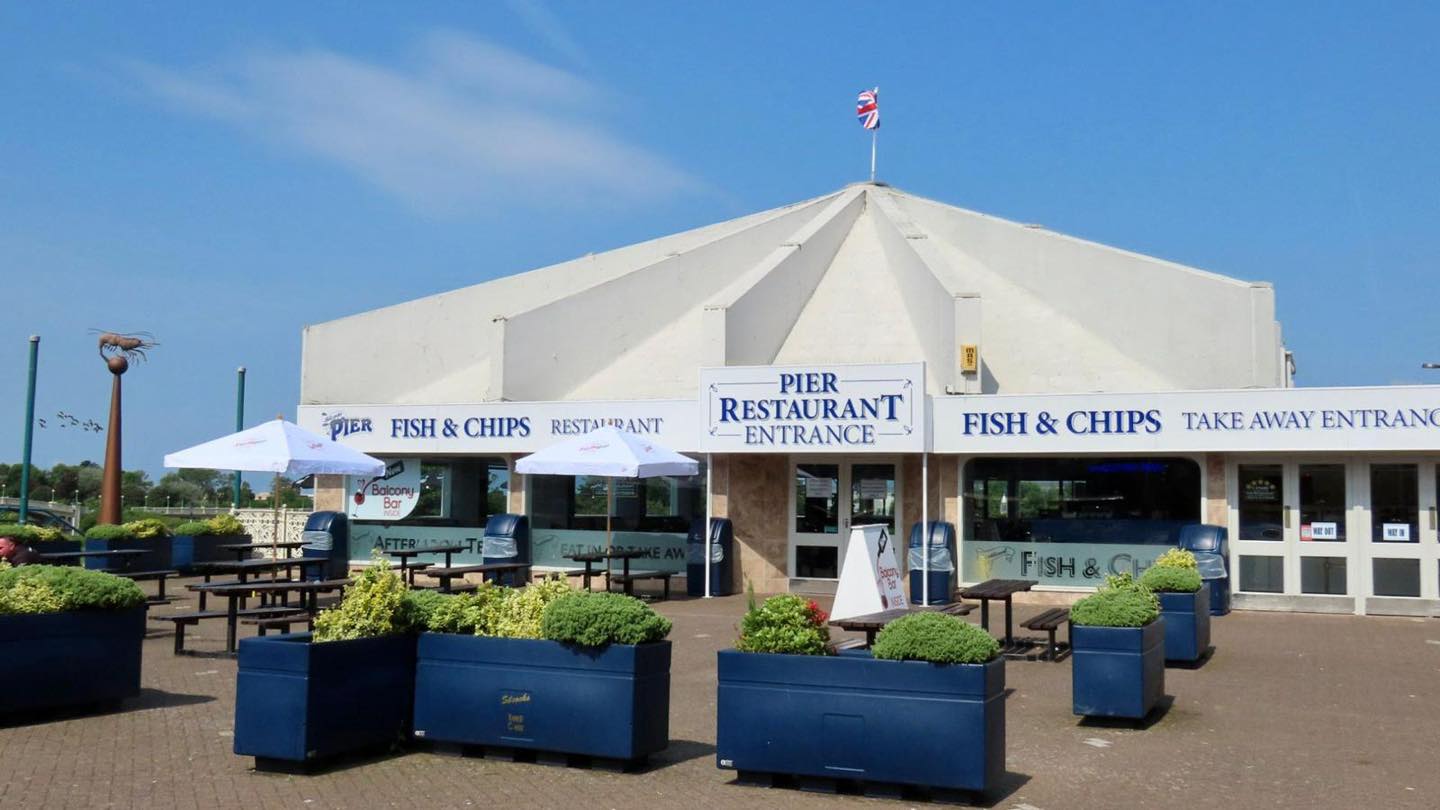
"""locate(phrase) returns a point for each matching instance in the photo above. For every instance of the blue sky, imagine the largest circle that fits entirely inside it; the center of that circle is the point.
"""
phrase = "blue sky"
(222, 174)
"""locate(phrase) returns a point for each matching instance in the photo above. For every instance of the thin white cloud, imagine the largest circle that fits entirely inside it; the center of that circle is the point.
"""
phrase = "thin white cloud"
(540, 20)
(467, 122)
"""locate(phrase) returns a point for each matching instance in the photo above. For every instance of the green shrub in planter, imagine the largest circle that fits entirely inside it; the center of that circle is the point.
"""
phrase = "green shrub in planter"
(598, 619)
(193, 528)
(787, 624)
(471, 614)
(417, 608)
(1168, 579)
(30, 535)
(1122, 602)
(520, 611)
(374, 605)
(935, 637)
(1176, 558)
(148, 529)
(34, 588)
(225, 524)
(109, 531)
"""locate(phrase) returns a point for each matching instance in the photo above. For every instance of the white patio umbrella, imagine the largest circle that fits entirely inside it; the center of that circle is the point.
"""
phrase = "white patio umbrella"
(278, 447)
(610, 452)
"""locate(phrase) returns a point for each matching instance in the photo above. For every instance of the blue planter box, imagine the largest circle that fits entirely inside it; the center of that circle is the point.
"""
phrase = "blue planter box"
(611, 702)
(1117, 671)
(1187, 624)
(187, 551)
(853, 717)
(80, 657)
(157, 559)
(298, 701)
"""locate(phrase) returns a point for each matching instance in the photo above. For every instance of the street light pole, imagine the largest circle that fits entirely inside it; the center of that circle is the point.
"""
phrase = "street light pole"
(29, 431)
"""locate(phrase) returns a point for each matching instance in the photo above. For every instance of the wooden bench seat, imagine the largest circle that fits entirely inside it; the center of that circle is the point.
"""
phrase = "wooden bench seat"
(183, 620)
(629, 580)
(1049, 622)
(158, 576)
(281, 622)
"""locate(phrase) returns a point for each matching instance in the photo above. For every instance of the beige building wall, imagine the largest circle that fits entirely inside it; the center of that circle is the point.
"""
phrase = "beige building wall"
(329, 493)
(1216, 511)
(753, 491)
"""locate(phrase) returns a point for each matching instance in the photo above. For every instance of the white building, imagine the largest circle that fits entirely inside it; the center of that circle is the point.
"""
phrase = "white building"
(815, 352)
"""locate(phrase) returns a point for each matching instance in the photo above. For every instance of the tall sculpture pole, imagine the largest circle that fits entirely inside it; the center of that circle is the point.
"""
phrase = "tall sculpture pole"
(29, 433)
(117, 350)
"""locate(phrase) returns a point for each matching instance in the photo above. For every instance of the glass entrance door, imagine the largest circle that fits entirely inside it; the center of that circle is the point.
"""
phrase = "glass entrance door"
(827, 498)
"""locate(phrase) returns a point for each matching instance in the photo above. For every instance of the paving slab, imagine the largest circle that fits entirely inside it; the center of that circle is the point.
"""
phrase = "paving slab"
(1293, 710)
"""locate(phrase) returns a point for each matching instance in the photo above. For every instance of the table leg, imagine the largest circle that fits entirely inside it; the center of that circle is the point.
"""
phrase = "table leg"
(1009, 632)
(447, 559)
(203, 594)
(587, 576)
(870, 638)
(444, 583)
(629, 585)
(985, 614)
(232, 621)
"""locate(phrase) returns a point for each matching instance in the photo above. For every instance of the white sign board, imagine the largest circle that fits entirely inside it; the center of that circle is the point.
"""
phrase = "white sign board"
(1395, 532)
(813, 409)
(497, 427)
(870, 579)
(389, 496)
(1324, 531)
(1273, 419)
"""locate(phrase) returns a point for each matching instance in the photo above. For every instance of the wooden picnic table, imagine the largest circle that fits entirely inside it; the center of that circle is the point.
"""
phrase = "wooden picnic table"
(871, 623)
(447, 574)
(406, 553)
(124, 555)
(242, 568)
(242, 550)
(591, 557)
(236, 592)
(998, 590)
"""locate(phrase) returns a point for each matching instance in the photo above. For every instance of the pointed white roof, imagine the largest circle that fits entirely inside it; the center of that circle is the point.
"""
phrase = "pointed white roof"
(866, 274)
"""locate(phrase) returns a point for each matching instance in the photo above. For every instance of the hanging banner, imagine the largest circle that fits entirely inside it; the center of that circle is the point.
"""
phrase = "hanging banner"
(870, 578)
(391, 496)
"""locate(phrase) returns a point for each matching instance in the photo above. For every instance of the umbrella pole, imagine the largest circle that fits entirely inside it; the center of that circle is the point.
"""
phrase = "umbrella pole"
(275, 524)
(609, 508)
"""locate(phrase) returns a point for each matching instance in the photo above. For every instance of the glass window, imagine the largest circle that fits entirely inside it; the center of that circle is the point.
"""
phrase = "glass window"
(817, 499)
(821, 562)
(1397, 577)
(1262, 502)
(657, 505)
(1395, 503)
(1322, 504)
(1081, 500)
(872, 495)
(432, 502)
(1262, 574)
(1324, 575)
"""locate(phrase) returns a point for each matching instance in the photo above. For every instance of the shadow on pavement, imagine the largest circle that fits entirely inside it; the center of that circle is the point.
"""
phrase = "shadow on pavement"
(147, 699)
(1162, 708)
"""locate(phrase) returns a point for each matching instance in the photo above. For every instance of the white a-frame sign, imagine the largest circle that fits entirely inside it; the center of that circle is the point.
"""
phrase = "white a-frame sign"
(870, 579)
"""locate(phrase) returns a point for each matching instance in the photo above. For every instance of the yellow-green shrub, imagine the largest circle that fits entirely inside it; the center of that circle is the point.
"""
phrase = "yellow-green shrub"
(520, 611)
(1176, 558)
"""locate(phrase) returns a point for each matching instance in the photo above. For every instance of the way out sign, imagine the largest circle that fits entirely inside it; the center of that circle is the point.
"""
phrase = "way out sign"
(870, 579)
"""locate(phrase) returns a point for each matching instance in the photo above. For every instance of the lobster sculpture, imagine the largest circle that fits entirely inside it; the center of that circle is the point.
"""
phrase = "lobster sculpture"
(118, 350)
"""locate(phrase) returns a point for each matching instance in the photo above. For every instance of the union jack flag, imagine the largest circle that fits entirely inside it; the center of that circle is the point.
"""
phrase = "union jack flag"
(867, 108)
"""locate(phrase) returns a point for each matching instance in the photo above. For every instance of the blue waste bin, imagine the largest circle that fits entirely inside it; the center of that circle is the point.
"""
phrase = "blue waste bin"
(942, 563)
(1212, 554)
(506, 540)
(327, 537)
(722, 547)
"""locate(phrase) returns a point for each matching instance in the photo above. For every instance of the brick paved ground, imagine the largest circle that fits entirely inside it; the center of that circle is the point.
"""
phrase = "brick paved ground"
(1293, 711)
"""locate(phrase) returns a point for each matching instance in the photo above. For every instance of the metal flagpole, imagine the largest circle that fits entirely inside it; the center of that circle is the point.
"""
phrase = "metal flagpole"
(925, 528)
(874, 134)
(709, 503)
